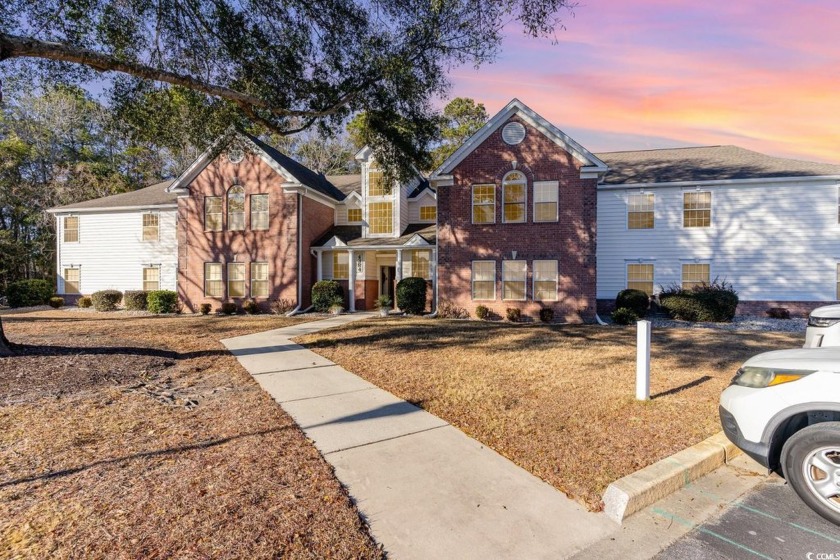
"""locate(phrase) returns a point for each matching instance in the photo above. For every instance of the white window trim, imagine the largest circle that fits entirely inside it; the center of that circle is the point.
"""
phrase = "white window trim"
(523, 282)
(143, 269)
(627, 211)
(251, 212)
(251, 279)
(556, 185)
(525, 202)
(711, 209)
(361, 215)
(684, 262)
(394, 210)
(143, 228)
(420, 213)
(534, 278)
(228, 280)
(472, 280)
(640, 261)
(78, 228)
(221, 214)
(222, 280)
(64, 270)
(472, 203)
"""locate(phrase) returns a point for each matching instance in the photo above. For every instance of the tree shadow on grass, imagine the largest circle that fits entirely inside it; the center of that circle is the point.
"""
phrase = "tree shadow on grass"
(24, 350)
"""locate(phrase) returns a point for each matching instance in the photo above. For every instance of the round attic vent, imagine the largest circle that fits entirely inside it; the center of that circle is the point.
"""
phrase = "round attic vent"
(513, 133)
(235, 154)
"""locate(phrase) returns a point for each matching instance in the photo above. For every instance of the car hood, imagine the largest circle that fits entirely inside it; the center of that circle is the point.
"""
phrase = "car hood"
(818, 359)
(827, 312)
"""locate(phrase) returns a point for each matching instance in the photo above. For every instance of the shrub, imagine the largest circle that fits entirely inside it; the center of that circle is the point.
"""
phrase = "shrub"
(448, 310)
(411, 295)
(546, 314)
(715, 302)
(135, 300)
(513, 314)
(482, 312)
(337, 305)
(25, 293)
(228, 308)
(250, 307)
(204, 309)
(85, 302)
(281, 306)
(324, 293)
(635, 300)
(384, 302)
(106, 300)
(56, 302)
(778, 313)
(624, 316)
(163, 301)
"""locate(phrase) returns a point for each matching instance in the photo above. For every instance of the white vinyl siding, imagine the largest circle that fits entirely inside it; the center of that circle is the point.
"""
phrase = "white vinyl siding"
(791, 225)
(113, 253)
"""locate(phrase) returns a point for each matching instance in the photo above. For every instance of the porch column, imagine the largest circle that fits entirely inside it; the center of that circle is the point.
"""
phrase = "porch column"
(399, 265)
(351, 284)
(320, 255)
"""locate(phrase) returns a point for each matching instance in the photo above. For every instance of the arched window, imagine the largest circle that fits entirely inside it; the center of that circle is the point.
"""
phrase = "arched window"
(236, 208)
(514, 187)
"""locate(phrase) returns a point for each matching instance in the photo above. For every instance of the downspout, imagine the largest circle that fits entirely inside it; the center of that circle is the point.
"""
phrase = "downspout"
(297, 309)
(437, 288)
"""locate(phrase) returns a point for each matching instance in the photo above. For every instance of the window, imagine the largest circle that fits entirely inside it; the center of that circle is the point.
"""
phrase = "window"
(259, 279)
(381, 217)
(213, 213)
(640, 211)
(151, 227)
(545, 201)
(213, 284)
(513, 195)
(354, 214)
(428, 213)
(514, 280)
(545, 280)
(697, 209)
(837, 295)
(420, 264)
(376, 183)
(341, 265)
(694, 275)
(259, 212)
(72, 280)
(236, 208)
(484, 204)
(71, 229)
(151, 279)
(484, 279)
(640, 277)
(236, 280)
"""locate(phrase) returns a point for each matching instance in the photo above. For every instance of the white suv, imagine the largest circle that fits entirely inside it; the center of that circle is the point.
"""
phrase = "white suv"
(823, 327)
(783, 410)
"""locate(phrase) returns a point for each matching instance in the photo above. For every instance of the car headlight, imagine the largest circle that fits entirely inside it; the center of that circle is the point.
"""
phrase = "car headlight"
(821, 322)
(760, 377)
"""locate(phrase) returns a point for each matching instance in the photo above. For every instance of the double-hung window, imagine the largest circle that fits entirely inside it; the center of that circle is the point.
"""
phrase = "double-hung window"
(259, 279)
(72, 277)
(236, 280)
(214, 286)
(484, 280)
(71, 229)
(420, 264)
(484, 204)
(545, 201)
(213, 213)
(640, 211)
(341, 265)
(514, 187)
(695, 274)
(697, 209)
(545, 280)
(151, 279)
(236, 208)
(640, 277)
(259, 212)
(151, 227)
(514, 280)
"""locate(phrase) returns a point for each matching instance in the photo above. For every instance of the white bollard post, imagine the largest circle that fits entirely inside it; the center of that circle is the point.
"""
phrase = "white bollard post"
(643, 361)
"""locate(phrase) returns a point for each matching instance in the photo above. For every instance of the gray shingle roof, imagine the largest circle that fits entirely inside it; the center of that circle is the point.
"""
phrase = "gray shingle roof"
(154, 195)
(352, 236)
(346, 183)
(705, 163)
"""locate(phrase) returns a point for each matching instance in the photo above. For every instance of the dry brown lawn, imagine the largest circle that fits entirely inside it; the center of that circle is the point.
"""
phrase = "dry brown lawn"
(141, 437)
(556, 400)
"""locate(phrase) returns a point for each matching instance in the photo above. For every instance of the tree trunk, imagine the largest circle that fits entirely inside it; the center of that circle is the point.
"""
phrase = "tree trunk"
(5, 346)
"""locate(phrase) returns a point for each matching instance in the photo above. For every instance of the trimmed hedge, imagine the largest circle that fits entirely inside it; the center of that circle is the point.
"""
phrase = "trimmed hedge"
(106, 300)
(411, 295)
(636, 301)
(26, 293)
(325, 293)
(715, 302)
(482, 312)
(250, 307)
(204, 308)
(85, 302)
(546, 314)
(162, 301)
(624, 316)
(513, 314)
(135, 300)
(56, 302)
(228, 308)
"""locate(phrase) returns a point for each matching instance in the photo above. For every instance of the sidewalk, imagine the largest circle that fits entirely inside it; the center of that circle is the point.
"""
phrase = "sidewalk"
(426, 489)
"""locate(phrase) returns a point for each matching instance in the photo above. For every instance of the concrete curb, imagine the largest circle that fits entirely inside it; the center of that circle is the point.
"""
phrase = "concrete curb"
(636, 491)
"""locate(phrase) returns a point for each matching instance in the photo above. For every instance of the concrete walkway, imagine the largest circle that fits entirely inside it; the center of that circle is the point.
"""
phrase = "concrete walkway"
(426, 489)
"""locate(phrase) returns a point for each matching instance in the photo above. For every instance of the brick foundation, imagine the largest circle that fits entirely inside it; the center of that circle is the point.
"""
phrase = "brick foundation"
(756, 308)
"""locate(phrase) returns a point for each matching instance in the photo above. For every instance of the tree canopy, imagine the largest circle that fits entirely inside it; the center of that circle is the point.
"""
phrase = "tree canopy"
(283, 65)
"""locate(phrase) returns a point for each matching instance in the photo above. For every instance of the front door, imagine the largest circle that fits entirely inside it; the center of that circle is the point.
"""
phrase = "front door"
(387, 274)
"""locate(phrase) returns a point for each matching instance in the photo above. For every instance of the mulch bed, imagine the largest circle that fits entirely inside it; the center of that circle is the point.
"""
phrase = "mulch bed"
(141, 437)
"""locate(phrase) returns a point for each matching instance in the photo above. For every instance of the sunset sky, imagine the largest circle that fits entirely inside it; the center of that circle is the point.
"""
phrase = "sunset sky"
(661, 73)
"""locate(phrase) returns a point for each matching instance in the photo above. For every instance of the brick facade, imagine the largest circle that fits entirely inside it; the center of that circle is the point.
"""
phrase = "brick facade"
(277, 246)
(571, 240)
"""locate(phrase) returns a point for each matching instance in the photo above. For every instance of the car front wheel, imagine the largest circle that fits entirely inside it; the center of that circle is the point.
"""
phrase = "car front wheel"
(811, 465)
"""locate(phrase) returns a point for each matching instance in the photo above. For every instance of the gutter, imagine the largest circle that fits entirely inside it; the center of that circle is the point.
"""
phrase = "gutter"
(57, 211)
(719, 182)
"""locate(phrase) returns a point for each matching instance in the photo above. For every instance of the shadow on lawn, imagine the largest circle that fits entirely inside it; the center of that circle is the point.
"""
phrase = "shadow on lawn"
(23, 350)
(142, 455)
